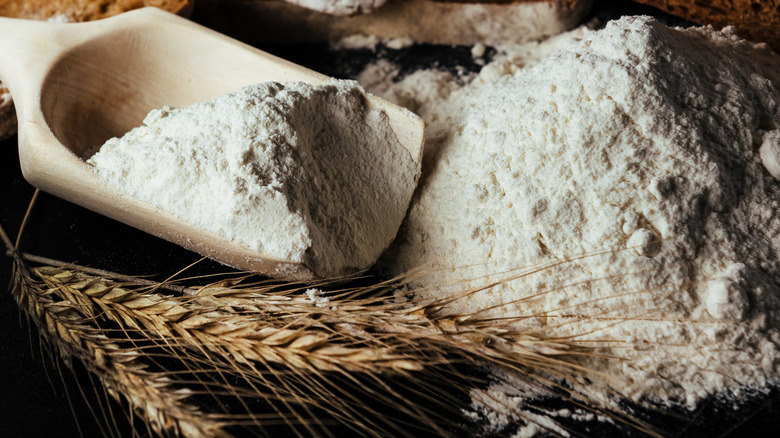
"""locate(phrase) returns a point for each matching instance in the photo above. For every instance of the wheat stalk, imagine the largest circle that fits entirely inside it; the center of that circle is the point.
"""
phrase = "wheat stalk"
(301, 358)
(121, 371)
(257, 324)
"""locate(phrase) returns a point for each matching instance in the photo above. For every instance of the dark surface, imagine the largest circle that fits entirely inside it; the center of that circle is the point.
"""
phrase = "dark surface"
(37, 399)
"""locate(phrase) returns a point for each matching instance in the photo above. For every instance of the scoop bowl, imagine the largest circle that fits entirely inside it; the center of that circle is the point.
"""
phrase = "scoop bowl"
(75, 85)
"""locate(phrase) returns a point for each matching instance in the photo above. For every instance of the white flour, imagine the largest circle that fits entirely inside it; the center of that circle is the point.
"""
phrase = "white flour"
(635, 167)
(301, 173)
(340, 7)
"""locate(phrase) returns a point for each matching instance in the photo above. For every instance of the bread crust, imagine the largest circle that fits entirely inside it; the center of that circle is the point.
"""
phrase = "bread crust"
(84, 10)
(754, 20)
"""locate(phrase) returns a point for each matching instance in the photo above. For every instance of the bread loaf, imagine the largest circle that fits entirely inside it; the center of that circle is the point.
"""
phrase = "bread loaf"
(755, 20)
(84, 10)
(69, 10)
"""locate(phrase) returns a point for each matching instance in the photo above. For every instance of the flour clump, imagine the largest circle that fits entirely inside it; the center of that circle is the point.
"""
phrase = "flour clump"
(304, 174)
(770, 153)
(621, 192)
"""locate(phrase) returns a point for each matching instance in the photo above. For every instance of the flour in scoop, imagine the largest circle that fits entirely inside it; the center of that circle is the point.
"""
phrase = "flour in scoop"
(304, 174)
(623, 191)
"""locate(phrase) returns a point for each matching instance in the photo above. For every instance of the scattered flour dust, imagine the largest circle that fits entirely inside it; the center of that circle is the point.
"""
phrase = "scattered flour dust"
(340, 7)
(306, 174)
(317, 296)
(633, 174)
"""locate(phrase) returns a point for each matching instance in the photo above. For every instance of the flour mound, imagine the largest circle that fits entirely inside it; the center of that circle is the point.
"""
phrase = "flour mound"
(305, 174)
(631, 176)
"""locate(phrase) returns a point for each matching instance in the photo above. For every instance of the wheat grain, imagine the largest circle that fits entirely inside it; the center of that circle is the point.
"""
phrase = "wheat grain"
(67, 331)
(301, 358)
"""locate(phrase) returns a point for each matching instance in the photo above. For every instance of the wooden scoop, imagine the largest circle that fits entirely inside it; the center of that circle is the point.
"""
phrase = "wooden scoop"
(75, 85)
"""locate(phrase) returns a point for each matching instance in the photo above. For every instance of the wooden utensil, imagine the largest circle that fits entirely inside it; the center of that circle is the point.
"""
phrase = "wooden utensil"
(70, 11)
(75, 85)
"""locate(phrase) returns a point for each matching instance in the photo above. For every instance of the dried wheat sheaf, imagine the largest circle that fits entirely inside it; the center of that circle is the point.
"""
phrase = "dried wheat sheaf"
(242, 356)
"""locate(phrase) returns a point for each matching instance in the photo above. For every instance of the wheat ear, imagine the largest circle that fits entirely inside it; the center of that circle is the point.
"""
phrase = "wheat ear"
(229, 328)
(65, 329)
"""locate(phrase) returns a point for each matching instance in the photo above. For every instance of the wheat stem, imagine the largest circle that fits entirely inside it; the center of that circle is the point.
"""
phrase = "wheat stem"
(121, 371)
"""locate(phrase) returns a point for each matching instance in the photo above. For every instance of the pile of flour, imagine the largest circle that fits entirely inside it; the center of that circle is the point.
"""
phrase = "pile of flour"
(624, 192)
(304, 174)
